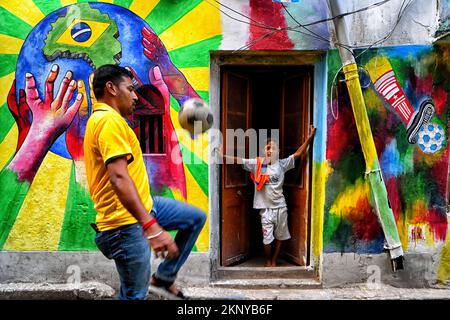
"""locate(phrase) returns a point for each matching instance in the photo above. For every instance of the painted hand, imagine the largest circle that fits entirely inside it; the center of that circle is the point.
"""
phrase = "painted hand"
(51, 117)
(75, 133)
(176, 82)
(20, 112)
(153, 99)
(154, 48)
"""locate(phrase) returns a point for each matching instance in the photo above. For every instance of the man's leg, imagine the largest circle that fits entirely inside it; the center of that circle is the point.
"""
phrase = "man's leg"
(188, 221)
(131, 253)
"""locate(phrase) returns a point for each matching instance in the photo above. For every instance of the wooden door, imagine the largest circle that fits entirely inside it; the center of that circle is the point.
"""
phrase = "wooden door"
(236, 200)
(294, 129)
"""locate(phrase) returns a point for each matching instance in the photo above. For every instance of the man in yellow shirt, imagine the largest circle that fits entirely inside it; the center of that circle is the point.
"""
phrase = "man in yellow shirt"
(129, 220)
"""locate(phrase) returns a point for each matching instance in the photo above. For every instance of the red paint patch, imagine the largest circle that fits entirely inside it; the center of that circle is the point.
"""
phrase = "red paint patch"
(272, 14)
(365, 222)
(424, 85)
(440, 99)
(342, 133)
(417, 234)
(438, 223)
(394, 197)
(440, 166)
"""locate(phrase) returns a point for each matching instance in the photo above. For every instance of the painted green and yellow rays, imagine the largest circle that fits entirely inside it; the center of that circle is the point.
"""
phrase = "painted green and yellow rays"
(47, 217)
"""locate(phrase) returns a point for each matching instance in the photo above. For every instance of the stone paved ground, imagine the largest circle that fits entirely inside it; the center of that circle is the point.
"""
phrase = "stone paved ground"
(99, 291)
(358, 292)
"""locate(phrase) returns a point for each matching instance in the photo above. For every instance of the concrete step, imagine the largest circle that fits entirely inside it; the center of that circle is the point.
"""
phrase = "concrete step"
(291, 272)
(49, 291)
(268, 283)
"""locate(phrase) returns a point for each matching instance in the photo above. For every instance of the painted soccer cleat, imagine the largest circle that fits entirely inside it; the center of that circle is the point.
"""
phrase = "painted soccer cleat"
(420, 118)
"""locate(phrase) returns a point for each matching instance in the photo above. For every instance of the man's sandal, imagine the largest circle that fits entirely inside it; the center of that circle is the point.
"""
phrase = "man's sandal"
(165, 285)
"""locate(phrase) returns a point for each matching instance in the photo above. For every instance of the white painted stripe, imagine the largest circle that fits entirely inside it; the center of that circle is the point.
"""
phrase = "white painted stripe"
(384, 77)
(390, 91)
(76, 34)
(404, 106)
(398, 101)
(386, 83)
(402, 112)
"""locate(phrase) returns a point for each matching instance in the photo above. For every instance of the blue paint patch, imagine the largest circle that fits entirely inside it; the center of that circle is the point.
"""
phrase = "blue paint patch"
(81, 32)
(390, 161)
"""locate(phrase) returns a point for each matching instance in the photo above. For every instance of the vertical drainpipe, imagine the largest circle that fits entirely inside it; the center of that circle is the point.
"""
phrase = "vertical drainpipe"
(373, 170)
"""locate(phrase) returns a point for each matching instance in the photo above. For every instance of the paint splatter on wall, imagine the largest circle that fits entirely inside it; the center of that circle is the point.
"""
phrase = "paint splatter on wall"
(406, 95)
(45, 203)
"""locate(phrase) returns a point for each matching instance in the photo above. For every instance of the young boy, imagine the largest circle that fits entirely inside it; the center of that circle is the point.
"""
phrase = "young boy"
(268, 175)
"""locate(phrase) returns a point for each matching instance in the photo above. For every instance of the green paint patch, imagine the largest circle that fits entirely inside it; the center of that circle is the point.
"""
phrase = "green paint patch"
(334, 63)
(330, 225)
(105, 43)
(166, 13)
(13, 194)
(123, 3)
(47, 6)
(7, 64)
(197, 167)
(13, 26)
(352, 166)
(76, 233)
(196, 54)
(165, 192)
(204, 95)
(176, 106)
(6, 121)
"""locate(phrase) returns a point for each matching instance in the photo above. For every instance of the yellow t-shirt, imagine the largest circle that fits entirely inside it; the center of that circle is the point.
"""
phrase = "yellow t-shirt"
(108, 136)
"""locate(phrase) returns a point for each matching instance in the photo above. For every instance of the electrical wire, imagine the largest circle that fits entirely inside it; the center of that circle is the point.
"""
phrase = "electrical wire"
(317, 36)
(400, 14)
(348, 13)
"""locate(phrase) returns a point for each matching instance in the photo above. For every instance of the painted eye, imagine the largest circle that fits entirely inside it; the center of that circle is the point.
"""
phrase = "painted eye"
(81, 32)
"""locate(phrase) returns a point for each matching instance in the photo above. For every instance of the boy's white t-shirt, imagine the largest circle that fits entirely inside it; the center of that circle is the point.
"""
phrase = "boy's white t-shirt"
(271, 194)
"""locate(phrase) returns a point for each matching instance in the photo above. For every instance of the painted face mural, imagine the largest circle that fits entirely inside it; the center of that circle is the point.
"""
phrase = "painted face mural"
(51, 100)
(405, 101)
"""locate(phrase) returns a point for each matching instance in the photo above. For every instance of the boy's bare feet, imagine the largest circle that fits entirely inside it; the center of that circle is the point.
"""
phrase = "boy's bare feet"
(273, 263)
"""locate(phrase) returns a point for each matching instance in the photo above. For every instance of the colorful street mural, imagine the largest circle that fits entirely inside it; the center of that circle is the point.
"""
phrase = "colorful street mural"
(49, 52)
(49, 49)
(402, 86)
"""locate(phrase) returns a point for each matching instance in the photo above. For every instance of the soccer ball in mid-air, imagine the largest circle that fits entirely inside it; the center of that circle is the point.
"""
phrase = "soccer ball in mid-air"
(431, 138)
(195, 116)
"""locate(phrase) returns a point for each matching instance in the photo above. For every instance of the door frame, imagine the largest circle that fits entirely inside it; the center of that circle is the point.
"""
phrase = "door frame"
(316, 59)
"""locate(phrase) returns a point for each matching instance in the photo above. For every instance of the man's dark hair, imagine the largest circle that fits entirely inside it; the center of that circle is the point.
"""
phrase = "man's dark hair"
(105, 73)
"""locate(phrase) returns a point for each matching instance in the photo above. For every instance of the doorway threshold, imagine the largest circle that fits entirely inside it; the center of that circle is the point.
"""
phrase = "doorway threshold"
(253, 274)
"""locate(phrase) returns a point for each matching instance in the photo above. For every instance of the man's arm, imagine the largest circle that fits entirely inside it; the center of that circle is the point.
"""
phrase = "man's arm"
(302, 149)
(127, 193)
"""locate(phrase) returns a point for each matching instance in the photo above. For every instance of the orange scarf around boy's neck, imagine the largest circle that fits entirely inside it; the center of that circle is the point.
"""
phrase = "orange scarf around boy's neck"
(260, 177)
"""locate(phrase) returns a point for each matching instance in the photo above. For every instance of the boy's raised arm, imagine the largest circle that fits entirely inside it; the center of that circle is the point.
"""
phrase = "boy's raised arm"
(225, 157)
(302, 149)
